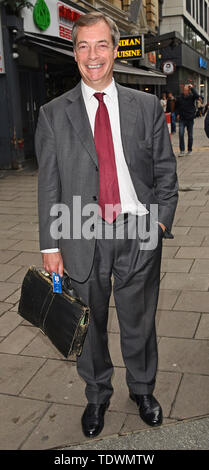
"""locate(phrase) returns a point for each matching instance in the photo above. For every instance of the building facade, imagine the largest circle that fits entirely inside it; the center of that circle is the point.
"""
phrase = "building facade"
(37, 63)
(187, 57)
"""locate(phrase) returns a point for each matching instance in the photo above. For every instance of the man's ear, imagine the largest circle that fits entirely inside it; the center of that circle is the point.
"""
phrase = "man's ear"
(75, 55)
(116, 51)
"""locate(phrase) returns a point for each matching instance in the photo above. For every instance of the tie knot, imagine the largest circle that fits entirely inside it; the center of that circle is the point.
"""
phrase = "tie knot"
(99, 96)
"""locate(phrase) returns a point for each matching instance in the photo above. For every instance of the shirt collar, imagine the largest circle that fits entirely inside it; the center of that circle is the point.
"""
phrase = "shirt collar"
(88, 92)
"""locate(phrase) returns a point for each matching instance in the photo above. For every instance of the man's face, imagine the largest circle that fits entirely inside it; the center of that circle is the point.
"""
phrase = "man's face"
(186, 90)
(95, 54)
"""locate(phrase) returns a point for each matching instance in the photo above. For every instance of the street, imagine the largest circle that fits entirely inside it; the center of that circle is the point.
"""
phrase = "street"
(42, 396)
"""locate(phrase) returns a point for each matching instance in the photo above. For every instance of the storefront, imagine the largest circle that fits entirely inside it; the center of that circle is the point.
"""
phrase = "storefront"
(185, 65)
(39, 66)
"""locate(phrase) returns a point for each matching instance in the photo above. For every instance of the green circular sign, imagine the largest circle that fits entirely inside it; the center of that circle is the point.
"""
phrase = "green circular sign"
(41, 15)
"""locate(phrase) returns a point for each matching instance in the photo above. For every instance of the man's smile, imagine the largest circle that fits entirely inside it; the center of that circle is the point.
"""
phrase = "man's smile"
(94, 66)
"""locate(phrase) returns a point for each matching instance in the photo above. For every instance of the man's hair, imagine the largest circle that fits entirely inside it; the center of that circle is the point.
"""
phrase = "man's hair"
(92, 18)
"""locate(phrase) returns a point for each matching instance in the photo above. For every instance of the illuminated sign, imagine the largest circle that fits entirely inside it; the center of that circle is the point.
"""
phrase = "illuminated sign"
(168, 67)
(66, 17)
(41, 15)
(51, 18)
(203, 64)
(131, 47)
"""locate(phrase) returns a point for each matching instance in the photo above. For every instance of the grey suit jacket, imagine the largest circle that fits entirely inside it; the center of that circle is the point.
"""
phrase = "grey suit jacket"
(68, 167)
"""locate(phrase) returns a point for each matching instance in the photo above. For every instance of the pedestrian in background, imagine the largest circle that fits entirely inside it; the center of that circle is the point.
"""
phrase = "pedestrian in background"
(206, 124)
(200, 108)
(171, 102)
(185, 110)
(163, 102)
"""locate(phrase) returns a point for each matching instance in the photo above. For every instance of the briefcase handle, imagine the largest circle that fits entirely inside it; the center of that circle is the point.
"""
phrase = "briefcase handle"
(68, 288)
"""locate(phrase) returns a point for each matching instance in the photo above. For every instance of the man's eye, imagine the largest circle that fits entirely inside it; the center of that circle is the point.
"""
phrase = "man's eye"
(82, 47)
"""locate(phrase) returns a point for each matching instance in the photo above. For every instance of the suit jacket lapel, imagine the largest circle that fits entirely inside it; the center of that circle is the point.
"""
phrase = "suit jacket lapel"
(77, 114)
(128, 113)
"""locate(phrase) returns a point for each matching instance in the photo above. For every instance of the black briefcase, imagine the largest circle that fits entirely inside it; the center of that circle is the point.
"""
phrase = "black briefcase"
(64, 318)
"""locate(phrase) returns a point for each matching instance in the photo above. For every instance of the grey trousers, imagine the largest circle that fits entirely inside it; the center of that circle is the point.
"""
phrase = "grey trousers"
(136, 274)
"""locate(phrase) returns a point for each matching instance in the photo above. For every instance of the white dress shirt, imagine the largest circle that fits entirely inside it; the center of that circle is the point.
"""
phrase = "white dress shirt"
(128, 197)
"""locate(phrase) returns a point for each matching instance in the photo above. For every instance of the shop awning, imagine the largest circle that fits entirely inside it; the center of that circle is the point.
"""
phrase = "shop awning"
(122, 72)
(133, 75)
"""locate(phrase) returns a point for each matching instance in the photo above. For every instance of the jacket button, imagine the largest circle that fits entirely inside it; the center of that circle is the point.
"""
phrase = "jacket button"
(95, 198)
(97, 169)
(92, 228)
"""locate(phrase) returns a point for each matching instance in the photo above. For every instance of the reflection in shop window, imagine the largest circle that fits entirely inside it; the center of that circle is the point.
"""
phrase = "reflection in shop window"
(201, 13)
(197, 11)
(188, 6)
(206, 17)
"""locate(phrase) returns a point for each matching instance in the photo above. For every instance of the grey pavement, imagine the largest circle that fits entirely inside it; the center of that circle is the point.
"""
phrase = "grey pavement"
(42, 397)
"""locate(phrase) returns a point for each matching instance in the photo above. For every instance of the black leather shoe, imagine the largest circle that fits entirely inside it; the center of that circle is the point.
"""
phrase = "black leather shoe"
(149, 409)
(93, 419)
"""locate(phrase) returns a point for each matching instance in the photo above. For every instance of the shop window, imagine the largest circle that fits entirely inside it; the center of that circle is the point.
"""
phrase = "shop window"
(194, 40)
(201, 13)
(193, 8)
(206, 17)
(188, 6)
(197, 11)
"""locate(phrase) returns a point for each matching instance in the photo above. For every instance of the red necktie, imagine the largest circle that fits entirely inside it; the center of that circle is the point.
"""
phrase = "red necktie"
(109, 194)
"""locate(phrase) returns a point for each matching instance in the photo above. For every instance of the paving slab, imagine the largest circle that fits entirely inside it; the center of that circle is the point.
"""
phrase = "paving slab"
(27, 259)
(178, 324)
(203, 327)
(6, 255)
(57, 382)
(184, 240)
(195, 389)
(185, 282)
(169, 251)
(12, 233)
(193, 302)
(167, 299)
(15, 297)
(203, 220)
(8, 322)
(4, 307)
(7, 243)
(26, 245)
(206, 241)
(184, 355)
(180, 230)
(29, 227)
(19, 275)
(195, 252)
(176, 265)
(6, 271)
(16, 371)
(20, 416)
(113, 325)
(134, 424)
(16, 341)
(200, 266)
(61, 425)
(24, 235)
(6, 290)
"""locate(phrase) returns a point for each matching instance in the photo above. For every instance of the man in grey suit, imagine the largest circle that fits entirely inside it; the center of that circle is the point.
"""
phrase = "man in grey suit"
(103, 143)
